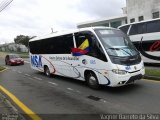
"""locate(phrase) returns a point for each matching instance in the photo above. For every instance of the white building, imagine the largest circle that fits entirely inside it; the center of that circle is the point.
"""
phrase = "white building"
(139, 10)
(135, 10)
(108, 22)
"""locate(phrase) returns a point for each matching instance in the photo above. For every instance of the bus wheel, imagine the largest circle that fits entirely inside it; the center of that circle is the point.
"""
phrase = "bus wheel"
(92, 80)
(47, 71)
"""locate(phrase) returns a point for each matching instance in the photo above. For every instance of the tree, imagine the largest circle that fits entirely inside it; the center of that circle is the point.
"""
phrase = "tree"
(22, 39)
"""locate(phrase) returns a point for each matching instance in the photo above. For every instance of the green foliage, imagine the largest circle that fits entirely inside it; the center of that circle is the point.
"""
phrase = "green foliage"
(1, 68)
(152, 72)
(22, 39)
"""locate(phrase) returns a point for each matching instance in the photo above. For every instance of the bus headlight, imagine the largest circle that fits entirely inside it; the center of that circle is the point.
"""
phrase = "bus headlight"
(120, 72)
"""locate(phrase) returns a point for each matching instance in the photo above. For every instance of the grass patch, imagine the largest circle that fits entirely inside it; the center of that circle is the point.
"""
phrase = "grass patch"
(1, 68)
(23, 55)
(152, 72)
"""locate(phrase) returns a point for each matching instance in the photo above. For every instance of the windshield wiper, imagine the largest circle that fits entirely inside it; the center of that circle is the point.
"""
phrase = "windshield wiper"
(126, 51)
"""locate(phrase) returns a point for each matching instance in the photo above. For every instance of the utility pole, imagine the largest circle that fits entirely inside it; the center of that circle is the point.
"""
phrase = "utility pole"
(52, 30)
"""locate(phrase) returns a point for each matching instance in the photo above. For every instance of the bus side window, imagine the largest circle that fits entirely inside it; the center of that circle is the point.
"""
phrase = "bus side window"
(139, 28)
(134, 29)
(125, 29)
(153, 26)
(94, 46)
(80, 38)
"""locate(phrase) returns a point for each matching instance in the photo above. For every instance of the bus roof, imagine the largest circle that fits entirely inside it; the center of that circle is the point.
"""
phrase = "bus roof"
(67, 32)
(139, 22)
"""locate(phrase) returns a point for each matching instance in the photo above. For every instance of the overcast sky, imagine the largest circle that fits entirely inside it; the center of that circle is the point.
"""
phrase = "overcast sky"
(37, 17)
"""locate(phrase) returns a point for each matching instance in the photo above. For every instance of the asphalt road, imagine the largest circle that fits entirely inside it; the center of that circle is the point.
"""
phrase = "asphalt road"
(60, 97)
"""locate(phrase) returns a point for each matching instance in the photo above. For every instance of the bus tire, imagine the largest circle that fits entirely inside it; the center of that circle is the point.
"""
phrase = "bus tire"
(47, 71)
(92, 81)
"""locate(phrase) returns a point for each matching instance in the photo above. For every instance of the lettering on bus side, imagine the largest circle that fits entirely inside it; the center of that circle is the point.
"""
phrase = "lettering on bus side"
(36, 61)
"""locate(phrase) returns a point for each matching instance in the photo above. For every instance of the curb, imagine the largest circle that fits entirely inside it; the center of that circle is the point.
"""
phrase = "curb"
(8, 104)
(12, 110)
(22, 106)
(151, 78)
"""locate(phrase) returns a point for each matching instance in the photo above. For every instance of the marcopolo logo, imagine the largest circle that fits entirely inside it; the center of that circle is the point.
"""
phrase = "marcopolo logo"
(127, 67)
(36, 61)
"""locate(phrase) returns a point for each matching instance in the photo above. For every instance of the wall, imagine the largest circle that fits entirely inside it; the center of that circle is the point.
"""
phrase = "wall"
(136, 8)
(110, 22)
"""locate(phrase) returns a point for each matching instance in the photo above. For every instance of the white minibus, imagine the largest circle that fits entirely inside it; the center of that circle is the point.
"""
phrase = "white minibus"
(97, 55)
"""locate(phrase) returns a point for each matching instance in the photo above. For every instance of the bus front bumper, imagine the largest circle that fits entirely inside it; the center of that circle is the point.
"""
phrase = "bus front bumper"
(130, 78)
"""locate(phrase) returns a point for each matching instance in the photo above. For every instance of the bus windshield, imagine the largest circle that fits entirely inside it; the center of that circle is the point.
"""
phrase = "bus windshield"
(116, 43)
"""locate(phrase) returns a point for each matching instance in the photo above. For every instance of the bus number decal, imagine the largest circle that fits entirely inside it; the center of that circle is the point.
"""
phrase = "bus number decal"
(36, 61)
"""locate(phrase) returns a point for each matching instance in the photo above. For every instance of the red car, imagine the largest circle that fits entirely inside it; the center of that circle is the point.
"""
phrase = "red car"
(13, 59)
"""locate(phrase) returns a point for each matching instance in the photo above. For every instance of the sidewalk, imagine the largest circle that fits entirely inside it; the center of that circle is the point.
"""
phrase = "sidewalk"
(4, 105)
(8, 111)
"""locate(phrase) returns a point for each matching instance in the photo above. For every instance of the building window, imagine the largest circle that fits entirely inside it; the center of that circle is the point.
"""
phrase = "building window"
(126, 21)
(125, 28)
(155, 15)
(116, 24)
(132, 20)
(106, 24)
(140, 18)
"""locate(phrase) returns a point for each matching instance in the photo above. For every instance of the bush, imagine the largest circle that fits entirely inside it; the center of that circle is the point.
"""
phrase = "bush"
(1, 68)
(152, 72)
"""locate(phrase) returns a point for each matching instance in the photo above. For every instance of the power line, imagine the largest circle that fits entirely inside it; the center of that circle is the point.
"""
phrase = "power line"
(4, 4)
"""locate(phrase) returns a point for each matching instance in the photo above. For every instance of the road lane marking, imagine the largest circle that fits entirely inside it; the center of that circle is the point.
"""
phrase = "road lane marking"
(53, 83)
(78, 91)
(28, 111)
(37, 78)
(70, 89)
(30, 78)
(19, 72)
(27, 75)
(26, 62)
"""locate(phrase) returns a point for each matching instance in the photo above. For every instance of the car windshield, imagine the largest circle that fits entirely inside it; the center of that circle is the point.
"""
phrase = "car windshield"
(116, 43)
(14, 56)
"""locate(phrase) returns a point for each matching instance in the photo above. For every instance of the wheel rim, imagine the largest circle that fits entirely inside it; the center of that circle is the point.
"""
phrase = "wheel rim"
(92, 80)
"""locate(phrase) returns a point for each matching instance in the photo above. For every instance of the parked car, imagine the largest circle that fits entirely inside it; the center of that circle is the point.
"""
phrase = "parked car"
(13, 59)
